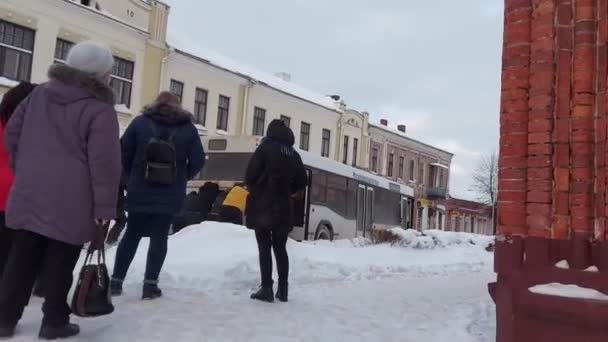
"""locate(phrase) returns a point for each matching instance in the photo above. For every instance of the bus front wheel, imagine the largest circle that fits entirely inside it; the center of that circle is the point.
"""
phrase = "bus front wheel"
(324, 233)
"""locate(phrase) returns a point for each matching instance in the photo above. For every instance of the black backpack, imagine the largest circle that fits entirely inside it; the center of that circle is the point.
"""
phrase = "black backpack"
(160, 160)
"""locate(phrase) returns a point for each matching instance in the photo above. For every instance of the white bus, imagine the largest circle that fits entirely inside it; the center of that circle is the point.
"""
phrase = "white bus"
(341, 201)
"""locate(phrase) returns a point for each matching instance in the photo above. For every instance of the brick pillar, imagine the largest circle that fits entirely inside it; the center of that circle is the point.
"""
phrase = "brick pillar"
(552, 202)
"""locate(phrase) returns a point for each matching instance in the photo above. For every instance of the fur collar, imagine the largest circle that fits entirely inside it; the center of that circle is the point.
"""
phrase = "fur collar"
(168, 114)
(77, 78)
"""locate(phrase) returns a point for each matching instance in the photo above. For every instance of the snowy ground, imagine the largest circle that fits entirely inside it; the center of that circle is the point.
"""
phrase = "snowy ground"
(420, 291)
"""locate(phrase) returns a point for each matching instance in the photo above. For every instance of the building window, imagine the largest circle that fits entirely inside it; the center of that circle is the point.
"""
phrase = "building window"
(391, 159)
(421, 173)
(325, 140)
(122, 80)
(412, 168)
(401, 167)
(259, 121)
(177, 89)
(441, 178)
(374, 159)
(355, 150)
(345, 156)
(222, 113)
(16, 49)
(200, 106)
(304, 136)
(286, 120)
(62, 47)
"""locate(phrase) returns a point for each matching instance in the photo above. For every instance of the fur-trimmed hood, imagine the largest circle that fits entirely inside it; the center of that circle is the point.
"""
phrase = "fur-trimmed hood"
(69, 85)
(167, 114)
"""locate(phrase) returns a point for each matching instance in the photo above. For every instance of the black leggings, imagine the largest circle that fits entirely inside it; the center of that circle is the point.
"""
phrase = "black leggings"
(273, 240)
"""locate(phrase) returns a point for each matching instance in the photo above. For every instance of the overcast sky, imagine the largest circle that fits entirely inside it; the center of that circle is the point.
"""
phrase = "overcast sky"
(433, 65)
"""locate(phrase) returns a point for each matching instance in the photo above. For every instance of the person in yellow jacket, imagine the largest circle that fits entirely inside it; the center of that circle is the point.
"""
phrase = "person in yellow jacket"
(233, 207)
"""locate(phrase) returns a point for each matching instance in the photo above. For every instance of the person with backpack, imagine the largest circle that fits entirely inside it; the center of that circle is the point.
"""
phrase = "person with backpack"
(161, 151)
(274, 174)
(63, 146)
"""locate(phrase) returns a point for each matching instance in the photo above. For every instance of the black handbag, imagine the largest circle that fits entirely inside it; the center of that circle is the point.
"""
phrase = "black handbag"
(92, 296)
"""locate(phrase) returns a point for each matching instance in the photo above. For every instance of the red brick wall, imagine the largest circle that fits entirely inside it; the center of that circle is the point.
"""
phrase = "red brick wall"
(552, 180)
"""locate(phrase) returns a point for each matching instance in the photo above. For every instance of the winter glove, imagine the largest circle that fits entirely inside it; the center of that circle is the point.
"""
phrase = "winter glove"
(99, 239)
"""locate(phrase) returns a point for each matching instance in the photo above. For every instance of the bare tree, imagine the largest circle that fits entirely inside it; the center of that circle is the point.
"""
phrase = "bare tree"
(485, 182)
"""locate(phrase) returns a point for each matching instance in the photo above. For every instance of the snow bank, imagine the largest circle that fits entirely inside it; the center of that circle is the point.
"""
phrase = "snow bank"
(215, 256)
(410, 238)
(430, 239)
(568, 291)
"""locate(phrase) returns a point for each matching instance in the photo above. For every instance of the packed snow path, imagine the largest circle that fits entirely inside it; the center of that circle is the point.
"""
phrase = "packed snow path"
(397, 294)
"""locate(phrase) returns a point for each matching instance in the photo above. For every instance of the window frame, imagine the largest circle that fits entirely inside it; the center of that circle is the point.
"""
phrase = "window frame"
(177, 88)
(346, 146)
(305, 136)
(375, 155)
(401, 167)
(259, 121)
(223, 112)
(22, 50)
(201, 102)
(325, 142)
(412, 170)
(122, 76)
(355, 151)
(286, 120)
(62, 51)
(390, 165)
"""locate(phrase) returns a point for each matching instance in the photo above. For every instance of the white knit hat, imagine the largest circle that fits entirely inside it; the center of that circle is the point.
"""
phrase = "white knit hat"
(90, 57)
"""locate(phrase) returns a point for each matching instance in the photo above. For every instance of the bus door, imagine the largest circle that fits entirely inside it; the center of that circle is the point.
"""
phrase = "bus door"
(301, 212)
(365, 209)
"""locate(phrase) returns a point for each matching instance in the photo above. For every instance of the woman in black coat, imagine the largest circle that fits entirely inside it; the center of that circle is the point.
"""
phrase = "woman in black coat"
(274, 174)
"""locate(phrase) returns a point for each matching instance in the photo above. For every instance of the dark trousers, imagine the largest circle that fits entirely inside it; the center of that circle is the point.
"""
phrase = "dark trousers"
(230, 214)
(142, 225)
(30, 255)
(6, 240)
(273, 240)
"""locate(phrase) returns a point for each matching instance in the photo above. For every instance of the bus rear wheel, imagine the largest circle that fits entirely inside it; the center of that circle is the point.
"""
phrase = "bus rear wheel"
(324, 233)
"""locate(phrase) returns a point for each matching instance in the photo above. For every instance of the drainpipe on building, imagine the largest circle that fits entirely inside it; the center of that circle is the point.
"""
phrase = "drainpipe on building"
(340, 135)
(163, 62)
(250, 84)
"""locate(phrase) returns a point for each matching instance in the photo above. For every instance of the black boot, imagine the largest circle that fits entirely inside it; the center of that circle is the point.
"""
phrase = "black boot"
(7, 332)
(282, 292)
(115, 288)
(151, 291)
(50, 332)
(264, 294)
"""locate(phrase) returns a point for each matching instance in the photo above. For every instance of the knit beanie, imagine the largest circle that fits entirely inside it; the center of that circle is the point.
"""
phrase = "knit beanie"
(90, 57)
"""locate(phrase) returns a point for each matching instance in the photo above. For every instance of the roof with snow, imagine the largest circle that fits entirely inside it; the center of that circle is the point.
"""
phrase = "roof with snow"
(402, 135)
(216, 59)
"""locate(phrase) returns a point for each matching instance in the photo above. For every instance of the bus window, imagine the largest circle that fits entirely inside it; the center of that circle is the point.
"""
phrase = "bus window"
(318, 191)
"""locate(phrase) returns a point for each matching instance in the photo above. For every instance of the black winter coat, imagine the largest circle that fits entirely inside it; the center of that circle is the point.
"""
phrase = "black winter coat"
(275, 172)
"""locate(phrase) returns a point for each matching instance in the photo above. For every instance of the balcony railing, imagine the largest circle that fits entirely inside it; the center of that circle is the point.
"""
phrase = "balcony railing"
(436, 192)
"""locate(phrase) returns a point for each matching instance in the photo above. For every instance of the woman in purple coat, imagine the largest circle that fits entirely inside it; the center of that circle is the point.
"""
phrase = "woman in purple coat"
(63, 146)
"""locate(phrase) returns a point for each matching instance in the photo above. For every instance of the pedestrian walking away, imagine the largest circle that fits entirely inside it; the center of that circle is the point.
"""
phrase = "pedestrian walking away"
(161, 151)
(63, 146)
(274, 174)
(9, 103)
